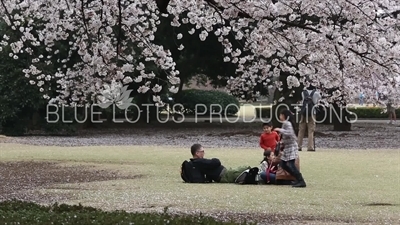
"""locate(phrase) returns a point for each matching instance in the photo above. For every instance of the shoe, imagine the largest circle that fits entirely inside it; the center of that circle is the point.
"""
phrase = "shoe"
(294, 182)
(300, 184)
(310, 150)
(299, 149)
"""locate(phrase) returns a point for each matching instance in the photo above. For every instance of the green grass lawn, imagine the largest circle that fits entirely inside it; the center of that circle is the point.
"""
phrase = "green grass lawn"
(340, 184)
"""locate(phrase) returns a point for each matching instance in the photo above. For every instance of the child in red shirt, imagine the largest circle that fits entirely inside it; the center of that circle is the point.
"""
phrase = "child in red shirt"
(269, 138)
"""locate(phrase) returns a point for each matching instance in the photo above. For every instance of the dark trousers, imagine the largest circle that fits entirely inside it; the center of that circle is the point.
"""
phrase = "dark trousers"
(272, 177)
(291, 168)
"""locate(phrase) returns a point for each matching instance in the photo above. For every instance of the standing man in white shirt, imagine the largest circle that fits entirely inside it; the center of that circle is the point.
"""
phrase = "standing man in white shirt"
(310, 100)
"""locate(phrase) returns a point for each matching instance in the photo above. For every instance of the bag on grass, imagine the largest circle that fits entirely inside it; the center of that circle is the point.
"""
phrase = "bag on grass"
(191, 174)
(248, 176)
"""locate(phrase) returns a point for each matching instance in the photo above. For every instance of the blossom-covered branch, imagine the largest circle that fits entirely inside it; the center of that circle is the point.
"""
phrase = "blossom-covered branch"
(313, 34)
(342, 44)
(109, 37)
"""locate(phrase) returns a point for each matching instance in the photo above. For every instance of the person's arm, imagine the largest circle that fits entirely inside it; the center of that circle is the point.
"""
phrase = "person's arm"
(287, 129)
(210, 163)
(277, 137)
(264, 166)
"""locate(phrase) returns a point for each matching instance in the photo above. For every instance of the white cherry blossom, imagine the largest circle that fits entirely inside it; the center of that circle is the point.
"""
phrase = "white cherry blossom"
(353, 45)
(93, 33)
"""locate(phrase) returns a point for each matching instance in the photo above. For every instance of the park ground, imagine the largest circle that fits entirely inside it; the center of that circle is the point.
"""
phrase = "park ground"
(137, 170)
(343, 186)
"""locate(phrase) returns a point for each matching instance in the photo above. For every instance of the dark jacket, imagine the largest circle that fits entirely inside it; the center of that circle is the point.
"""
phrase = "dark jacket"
(210, 168)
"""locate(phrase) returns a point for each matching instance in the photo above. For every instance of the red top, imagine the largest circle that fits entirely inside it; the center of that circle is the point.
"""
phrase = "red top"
(268, 140)
(269, 170)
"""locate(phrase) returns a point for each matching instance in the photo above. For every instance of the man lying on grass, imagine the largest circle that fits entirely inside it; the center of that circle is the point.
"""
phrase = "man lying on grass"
(201, 170)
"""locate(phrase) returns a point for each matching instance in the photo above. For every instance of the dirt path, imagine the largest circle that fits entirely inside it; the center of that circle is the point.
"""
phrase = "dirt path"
(19, 179)
(363, 136)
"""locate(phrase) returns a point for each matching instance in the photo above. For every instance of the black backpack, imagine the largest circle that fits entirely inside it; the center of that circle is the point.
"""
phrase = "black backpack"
(308, 104)
(191, 174)
(248, 176)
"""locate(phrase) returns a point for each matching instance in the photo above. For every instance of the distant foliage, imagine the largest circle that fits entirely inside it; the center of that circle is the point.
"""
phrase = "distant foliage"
(327, 115)
(207, 101)
(23, 107)
(18, 99)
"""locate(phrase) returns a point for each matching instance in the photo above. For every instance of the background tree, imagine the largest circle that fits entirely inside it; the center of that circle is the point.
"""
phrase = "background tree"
(193, 56)
(337, 44)
(23, 100)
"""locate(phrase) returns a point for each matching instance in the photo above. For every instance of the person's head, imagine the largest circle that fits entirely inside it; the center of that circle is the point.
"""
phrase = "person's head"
(311, 87)
(267, 127)
(269, 155)
(197, 151)
(287, 115)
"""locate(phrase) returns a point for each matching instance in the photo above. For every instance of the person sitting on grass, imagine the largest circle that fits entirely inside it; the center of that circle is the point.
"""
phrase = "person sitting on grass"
(212, 169)
(269, 138)
(268, 168)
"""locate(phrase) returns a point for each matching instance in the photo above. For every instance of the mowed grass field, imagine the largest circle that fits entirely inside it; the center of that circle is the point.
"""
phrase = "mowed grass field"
(349, 185)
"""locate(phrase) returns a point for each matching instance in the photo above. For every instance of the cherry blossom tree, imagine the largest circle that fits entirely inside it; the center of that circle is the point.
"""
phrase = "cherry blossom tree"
(344, 44)
(113, 39)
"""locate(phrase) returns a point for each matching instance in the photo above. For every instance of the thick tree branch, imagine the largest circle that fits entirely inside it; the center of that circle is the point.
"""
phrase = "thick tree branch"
(299, 25)
(366, 57)
(119, 27)
(341, 65)
(84, 17)
(7, 12)
(162, 5)
(242, 14)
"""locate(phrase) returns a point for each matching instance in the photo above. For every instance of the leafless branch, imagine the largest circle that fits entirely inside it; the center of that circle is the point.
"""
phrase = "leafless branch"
(7, 12)
(119, 27)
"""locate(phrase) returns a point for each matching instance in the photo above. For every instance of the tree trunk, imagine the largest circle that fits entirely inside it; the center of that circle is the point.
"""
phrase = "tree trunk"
(148, 109)
(181, 85)
(289, 103)
(341, 120)
(34, 121)
(275, 110)
(86, 115)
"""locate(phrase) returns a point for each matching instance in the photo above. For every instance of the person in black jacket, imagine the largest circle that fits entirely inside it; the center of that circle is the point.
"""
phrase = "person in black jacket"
(212, 169)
